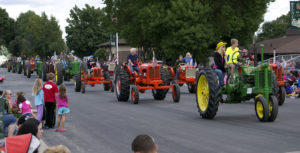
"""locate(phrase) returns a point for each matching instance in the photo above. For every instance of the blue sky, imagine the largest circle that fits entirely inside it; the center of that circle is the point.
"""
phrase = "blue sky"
(61, 8)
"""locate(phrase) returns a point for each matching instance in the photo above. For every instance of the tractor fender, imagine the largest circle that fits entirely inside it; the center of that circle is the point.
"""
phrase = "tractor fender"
(172, 73)
(127, 68)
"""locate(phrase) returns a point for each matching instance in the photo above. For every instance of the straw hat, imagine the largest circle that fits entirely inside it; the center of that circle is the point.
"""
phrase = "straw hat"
(220, 44)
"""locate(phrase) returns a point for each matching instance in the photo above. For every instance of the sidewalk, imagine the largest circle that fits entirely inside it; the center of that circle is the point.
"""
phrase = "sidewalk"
(43, 147)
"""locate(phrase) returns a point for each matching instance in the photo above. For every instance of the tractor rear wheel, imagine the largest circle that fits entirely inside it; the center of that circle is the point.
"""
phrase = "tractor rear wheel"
(19, 68)
(134, 94)
(122, 85)
(207, 93)
(8, 67)
(59, 73)
(273, 108)
(77, 82)
(176, 93)
(25, 69)
(261, 108)
(28, 70)
(44, 72)
(160, 94)
(13, 68)
(281, 96)
(106, 77)
(192, 88)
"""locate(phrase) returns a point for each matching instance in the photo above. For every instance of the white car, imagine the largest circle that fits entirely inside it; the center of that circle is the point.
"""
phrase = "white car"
(2, 59)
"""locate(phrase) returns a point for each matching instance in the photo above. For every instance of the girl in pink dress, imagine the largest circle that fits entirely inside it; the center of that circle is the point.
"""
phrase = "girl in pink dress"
(63, 107)
(24, 105)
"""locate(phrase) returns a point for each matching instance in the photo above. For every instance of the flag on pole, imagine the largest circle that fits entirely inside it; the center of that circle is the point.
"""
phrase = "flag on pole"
(195, 64)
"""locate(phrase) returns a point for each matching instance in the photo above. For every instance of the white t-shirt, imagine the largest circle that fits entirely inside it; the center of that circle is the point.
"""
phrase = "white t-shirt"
(27, 102)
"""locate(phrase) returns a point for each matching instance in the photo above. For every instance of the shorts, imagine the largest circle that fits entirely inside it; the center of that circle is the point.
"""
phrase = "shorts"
(63, 110)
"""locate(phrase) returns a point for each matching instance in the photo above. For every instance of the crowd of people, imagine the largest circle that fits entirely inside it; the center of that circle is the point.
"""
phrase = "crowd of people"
(19, 117)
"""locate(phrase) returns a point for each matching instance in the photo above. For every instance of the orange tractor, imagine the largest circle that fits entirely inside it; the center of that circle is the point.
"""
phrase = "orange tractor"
(277, 69)
(148, 76)
(97, 76)
(187, 75)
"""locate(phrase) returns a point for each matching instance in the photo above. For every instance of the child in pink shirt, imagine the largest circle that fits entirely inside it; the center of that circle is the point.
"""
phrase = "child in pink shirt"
(62, 106)
(24, 105)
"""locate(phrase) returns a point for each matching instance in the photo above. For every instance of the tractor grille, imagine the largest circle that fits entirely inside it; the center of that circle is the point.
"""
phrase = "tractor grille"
(154, 73)
(262, 79)
(190, 73)
(97, 72)
(111, 66)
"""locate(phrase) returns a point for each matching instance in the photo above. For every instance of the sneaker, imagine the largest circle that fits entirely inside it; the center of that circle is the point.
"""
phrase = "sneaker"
(57, 130)
(63, 130)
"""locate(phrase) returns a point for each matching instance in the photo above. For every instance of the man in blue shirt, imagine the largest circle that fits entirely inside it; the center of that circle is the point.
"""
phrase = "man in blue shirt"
(132, 60)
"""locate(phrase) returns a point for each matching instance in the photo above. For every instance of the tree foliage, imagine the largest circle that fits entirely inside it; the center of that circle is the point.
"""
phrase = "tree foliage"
(173, 27)
(275, 28)
(36, 35)
(6, 27)
(85, 30)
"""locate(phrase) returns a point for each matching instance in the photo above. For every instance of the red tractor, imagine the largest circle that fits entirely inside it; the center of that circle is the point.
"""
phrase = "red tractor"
(187, 75)
(97, 76)
(277, 69)
(149, 76)
(29, 68)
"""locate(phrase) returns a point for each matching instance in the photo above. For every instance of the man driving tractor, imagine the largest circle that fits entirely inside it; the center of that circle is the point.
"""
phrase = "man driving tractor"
(132, 60)
(90, 64)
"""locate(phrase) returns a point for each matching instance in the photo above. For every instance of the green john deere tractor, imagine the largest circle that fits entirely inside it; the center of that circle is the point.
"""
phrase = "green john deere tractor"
(248, 82)
(66, 71)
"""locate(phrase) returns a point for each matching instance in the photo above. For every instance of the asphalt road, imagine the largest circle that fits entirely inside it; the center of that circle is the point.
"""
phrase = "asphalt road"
(98, 123)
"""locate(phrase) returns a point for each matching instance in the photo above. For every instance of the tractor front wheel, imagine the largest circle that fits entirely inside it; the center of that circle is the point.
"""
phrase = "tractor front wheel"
(261, 108)
(134, 94)
(281, 96)
(44, 72)
(28, 70)
(77, 82)
(176, 93)
(59, 74)
(82, 87)
(19, 68)
(273, 108)
(106, 77)
(207, 93)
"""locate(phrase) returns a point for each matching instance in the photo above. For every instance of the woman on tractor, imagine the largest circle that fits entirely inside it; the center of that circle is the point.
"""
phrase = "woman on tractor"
(219, 60)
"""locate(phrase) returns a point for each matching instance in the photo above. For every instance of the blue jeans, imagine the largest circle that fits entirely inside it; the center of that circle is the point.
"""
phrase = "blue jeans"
(133, 68)
(221, 76)
(8, 120)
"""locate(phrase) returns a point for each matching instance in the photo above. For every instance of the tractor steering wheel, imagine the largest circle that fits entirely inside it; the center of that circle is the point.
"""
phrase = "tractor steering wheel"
(234, 58)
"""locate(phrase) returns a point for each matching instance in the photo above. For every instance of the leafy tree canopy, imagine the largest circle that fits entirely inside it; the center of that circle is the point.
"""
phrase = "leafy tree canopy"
(6, 27)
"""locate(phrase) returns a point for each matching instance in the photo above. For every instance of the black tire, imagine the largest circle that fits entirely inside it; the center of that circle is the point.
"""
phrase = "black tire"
(77, 78)
(191, 88)
(28, 70)
(134, 94)
(112, 89)
(8, 67)
(19, 68)
(275, 88)
(176, 93)
(106, 85)
(25, 68)
(59, 73)
(207, 86)
(160, 94)
(82, 87)
(122, 85)
(44, 72)
(84, 68)
(281, 96)
(13, 68)
(273, 108)
(261, 109)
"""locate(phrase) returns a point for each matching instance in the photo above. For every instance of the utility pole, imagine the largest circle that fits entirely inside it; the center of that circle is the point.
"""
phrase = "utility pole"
(117, 48)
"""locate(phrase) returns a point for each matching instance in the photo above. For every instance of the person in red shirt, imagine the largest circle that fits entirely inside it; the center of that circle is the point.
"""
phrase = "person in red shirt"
(50, 89)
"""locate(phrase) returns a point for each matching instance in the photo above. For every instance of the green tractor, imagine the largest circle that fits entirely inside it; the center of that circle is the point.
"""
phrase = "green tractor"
(66, 72)
(248, 82)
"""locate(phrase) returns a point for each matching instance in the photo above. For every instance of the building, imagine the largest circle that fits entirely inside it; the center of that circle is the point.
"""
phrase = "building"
(124, 49)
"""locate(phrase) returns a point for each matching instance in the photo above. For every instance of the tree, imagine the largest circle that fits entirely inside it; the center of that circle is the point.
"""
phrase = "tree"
(173, 27)
(6, 27)
(85, 30)
(275, 28)
(36, 35)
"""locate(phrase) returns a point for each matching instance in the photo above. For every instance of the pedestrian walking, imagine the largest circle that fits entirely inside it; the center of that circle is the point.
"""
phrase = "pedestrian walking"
(50, 89)
(38, 94)
(63, 108)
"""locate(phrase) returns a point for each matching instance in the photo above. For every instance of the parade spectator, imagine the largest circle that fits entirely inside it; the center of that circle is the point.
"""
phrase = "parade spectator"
(32, 126)
(219, 60)
(248, 57)
(38, 94)
(144, 144)
(188, 59)
(9, 120)
(49, 89)
(57, 149)
(230, 60)
(115, 59)
(132, 60)
(62, 106)
(284, 64)
(23, 119)
(24, 105)
(7, 95)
